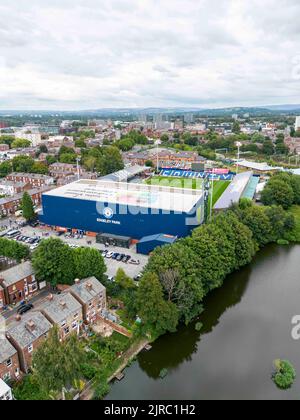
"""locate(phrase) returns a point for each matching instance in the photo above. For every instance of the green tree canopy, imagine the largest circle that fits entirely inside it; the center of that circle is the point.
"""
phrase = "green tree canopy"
(27, 207)
(88, 262)
(53, 262)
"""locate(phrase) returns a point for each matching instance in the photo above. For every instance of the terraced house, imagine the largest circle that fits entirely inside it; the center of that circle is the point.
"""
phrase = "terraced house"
(64, 311)
(17, 283)
(9, 361)
(91, 294)
(27, 335)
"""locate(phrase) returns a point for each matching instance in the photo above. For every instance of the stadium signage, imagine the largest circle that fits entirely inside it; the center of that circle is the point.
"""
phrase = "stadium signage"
(179, 173)
(109, 221)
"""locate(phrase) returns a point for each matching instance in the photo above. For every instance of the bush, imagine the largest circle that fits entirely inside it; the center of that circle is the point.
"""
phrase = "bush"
(282, 242)
(284, 375)
(198, 326)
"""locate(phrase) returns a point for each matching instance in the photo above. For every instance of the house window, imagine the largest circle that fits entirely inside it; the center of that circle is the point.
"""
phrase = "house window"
(64, 323)
(76, 315)
(67, 330)
(74, 325)
(6, 377)
(9, 363)
(30, 348)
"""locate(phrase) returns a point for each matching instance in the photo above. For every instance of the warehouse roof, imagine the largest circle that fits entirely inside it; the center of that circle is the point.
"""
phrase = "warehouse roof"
(135, 195)
(160, 237)
(234, 192)
(125, 174)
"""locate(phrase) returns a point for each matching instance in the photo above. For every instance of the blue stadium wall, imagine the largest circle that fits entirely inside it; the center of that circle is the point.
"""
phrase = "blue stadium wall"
(83, 215)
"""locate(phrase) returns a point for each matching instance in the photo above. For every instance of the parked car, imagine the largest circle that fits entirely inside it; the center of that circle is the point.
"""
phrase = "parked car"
(115, 256)
(111, 279)
(126, 258)
(109, 254)
(104, 253)
(138, 277)
(135, 262)
(120, 257)
(25, 308)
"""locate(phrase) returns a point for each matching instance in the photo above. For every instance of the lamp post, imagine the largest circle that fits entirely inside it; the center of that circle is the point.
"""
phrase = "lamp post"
(238, 144)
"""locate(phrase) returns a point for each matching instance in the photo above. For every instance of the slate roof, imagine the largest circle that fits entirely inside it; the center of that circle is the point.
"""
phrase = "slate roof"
(17, 273)
(86, 294)
(25, 336)
(57, 312)
(6, 350)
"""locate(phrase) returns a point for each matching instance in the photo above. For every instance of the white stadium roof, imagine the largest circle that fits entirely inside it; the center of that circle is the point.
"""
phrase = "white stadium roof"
(136, 195)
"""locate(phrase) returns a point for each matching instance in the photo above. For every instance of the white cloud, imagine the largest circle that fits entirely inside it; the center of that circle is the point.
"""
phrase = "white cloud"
(83, 54)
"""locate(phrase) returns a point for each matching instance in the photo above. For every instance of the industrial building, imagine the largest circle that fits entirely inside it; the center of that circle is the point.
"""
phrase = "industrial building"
(122, 209)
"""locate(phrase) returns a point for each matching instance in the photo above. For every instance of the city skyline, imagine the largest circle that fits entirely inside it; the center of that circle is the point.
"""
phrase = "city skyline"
(92, 54)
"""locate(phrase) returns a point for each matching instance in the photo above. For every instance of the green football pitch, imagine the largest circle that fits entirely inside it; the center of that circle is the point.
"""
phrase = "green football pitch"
(195, 184)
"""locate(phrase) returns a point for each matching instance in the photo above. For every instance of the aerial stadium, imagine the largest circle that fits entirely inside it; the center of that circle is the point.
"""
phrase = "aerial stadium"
(123, 209)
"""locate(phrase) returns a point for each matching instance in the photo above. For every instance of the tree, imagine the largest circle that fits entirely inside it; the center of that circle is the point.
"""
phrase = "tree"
(20, 144)
(278, 192)
(111, 161)
(88, 262)
(80, 143)
(236, 128)
(124, 281)
(268, 147)
(164, 138)
(5, 169)
(22, 164)
(68, 158)
(281, 222)
(258, 222)
(40, 168)
(189, 291)
(13, 249)
(57, 364)
(53, 262)
(157, 315)
(27, 207)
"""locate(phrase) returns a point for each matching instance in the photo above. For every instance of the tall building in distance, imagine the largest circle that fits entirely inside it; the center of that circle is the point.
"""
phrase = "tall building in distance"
(189, 118)
(297, 124)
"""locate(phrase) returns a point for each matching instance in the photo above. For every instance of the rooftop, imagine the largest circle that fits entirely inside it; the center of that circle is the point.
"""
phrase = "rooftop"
(61, 307)
(135, 195)
(87, 289)
(234, 191)
(16, 273)
(29, 175)
(6, 350)
(29, 329)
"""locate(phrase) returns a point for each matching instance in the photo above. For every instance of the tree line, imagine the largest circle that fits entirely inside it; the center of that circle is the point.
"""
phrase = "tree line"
(179, 276)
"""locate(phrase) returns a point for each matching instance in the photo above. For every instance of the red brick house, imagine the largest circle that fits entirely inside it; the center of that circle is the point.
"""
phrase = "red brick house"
(2, 298)
(27, 335)
(9, 361)
(10, 205)
(91, 294)
(64, 311)
(19, 283)
(35, 180)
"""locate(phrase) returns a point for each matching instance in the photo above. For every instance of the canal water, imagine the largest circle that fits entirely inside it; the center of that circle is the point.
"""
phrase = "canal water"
(246, 325)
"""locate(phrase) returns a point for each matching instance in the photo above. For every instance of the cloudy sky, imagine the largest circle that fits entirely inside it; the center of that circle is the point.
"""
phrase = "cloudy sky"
(84, 54)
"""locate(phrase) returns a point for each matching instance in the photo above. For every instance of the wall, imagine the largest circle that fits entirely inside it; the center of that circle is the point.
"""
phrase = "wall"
(83, 215)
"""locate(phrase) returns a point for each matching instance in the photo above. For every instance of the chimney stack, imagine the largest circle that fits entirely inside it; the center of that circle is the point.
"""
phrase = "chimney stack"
(30, 325)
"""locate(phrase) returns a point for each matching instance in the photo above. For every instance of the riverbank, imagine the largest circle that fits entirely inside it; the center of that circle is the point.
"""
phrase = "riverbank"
(295, 211)
(124, 362)
(246, 325)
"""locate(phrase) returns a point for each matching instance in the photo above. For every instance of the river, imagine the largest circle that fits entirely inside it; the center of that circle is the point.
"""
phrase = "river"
(246, 325)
